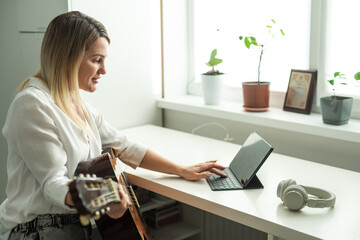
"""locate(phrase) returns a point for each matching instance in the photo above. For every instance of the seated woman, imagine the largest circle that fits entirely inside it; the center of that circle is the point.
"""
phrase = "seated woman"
(50, 129)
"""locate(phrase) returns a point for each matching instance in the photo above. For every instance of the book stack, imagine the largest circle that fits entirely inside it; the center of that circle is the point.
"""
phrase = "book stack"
(163, 216)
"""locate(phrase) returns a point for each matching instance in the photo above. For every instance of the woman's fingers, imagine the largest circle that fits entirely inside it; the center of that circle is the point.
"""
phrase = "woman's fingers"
(124, 196)
(117, 210)
(212, 166)
(204, 170)
(221, 174)
(203, 175)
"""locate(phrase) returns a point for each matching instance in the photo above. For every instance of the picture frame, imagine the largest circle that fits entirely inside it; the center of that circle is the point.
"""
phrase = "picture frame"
(300, 93)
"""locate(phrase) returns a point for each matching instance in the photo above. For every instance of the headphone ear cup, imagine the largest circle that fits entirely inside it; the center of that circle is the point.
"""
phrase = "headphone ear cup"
(282, 186)
(295, 197)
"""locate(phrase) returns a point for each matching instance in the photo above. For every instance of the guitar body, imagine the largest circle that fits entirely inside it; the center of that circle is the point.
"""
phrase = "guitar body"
(131, 225)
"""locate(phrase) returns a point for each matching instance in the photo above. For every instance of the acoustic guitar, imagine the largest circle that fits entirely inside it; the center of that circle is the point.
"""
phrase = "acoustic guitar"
(95, 189)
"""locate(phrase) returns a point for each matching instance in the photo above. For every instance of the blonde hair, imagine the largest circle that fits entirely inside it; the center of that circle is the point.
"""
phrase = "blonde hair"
(66, 39)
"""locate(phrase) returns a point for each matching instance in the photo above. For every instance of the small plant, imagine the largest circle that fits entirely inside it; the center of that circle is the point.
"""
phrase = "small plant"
(337, 79)
(251, 40)
(336, 109)
(213, 62)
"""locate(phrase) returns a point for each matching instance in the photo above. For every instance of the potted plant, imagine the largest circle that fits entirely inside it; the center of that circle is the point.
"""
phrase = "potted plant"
(336, 109)
(212, 81)
(256, 93)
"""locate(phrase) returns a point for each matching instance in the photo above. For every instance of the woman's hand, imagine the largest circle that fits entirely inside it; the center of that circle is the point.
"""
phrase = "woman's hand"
(117, 210)
(155, 162)
(202, 170)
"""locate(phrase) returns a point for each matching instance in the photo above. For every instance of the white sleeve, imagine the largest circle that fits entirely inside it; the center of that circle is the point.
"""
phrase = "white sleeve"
(130, 153)
(32, 134)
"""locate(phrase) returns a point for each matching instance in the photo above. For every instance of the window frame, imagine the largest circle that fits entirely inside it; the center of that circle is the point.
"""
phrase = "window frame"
(317, 60)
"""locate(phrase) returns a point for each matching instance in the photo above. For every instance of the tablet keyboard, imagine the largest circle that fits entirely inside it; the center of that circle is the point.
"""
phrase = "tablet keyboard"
(218, 183)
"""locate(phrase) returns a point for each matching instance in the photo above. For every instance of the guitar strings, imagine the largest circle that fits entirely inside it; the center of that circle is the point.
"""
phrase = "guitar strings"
(106, 198)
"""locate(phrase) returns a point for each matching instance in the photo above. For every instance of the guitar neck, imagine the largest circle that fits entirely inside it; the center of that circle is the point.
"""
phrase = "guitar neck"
(130, 190)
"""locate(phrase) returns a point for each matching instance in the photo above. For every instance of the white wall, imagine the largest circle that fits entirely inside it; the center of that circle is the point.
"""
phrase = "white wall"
(19, 59)
(126, 94)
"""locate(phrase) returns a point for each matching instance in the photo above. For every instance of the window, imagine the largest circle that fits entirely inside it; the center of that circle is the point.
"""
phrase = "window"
(219, 23)
(318, 35)
(341, 43)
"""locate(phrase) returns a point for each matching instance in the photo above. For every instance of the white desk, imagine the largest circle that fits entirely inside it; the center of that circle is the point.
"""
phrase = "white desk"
(261, 208)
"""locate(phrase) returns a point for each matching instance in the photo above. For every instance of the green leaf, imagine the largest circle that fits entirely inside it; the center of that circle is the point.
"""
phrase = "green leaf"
(331, 81)
(247, 42)
(273, 21)
(343, 83)
(336, 74)
(268, 26)
(342, 76)
(217, 61)
(282, 32)
(213, 54)
(213, 62)
(357, 76)
(253, 41)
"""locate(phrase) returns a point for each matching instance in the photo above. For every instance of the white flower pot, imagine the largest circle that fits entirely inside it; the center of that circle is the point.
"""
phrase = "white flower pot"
(212, 88)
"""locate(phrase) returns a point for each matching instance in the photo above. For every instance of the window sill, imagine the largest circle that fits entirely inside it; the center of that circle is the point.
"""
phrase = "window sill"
(273, 118)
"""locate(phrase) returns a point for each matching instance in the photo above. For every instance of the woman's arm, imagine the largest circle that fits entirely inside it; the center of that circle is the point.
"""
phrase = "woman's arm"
(155, 162)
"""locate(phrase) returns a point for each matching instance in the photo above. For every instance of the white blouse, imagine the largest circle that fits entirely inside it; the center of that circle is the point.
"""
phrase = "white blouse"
(44, 149)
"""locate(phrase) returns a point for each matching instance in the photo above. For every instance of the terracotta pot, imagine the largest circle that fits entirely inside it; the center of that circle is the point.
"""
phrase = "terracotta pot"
(256, 96)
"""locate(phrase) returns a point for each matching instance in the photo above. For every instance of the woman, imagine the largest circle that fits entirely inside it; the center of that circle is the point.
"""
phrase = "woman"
(50, 129)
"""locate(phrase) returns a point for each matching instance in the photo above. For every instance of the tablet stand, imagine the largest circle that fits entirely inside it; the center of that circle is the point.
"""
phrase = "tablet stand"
(254, 183)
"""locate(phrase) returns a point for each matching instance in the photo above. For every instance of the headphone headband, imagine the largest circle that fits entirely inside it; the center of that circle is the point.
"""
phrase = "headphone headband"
(326, 198)
(295, 197)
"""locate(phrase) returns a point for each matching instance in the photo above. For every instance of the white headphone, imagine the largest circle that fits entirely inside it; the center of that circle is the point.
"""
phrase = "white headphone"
(295, 197)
